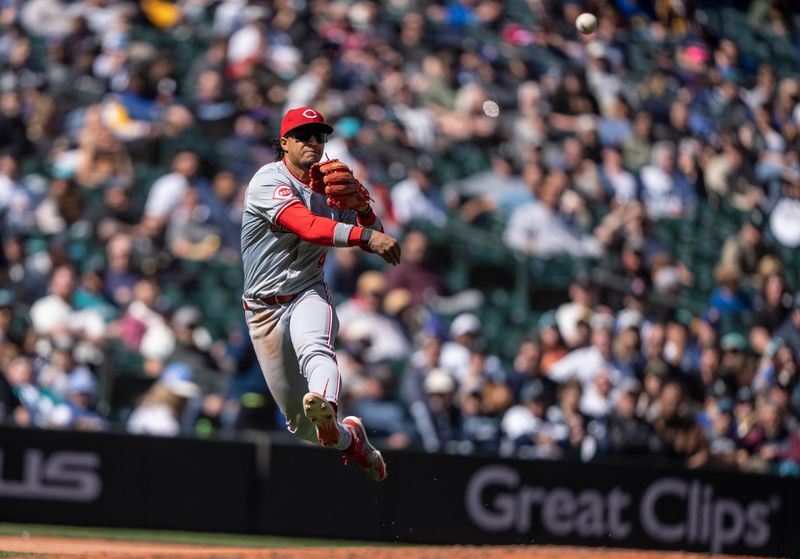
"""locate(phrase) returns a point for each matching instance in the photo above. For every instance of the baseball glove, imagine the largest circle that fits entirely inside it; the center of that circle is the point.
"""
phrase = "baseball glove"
(335, 180)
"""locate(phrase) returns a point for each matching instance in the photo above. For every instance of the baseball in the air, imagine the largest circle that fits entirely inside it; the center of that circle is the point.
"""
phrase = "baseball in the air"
(586, 23)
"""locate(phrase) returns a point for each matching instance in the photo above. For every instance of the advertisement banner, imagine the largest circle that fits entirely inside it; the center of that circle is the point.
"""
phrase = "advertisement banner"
(510, 501)
(310, 492)
(105, 479)
(292, 489)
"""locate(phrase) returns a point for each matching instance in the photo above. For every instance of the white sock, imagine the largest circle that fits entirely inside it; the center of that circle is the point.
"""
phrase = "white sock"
(345, 438)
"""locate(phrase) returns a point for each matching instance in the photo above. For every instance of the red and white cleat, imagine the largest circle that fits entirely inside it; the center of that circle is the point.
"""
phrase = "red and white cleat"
(363, 453)
(321, 413)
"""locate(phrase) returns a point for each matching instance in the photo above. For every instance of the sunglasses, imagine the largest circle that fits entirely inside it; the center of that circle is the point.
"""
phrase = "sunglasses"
(304, 135)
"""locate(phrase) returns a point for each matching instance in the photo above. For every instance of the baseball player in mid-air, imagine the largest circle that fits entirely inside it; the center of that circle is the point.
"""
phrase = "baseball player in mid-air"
(294, 209)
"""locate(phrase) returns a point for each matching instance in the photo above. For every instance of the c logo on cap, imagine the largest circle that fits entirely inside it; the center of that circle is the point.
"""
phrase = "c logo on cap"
(310, 113)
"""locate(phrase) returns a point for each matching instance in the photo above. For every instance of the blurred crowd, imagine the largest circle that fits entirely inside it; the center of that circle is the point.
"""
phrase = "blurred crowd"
(129, 130)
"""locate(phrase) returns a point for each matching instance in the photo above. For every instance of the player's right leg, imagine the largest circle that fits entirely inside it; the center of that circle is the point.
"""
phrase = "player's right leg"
(322, 414)
(268, 331)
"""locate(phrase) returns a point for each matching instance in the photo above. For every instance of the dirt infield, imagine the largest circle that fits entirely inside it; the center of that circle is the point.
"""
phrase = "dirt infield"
(70, 548)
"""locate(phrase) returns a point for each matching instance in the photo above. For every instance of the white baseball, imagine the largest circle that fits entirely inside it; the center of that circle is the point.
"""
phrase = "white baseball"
(491, 109)
(586, 23)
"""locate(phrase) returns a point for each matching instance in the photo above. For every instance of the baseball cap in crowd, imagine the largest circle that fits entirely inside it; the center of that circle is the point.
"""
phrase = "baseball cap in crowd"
(361, 331)
(638, 289)
(348, 127)
(6, 298)
(82, 381)
(602, 321)
(177, 378)
(725, 404)
(534, 391)
(733, 341)
(303, 116)
(745, 395)
(697, 53)
(546, 320)
(480, 346)
(756, 218)
(719, 389)
(630, 385)
(438, 381)
(711, 317)
(684, 317)
(666, 279)
(465, 323)
(629, 318)
(596, 49)
(187, 316)
(636, 244)
(657, 367)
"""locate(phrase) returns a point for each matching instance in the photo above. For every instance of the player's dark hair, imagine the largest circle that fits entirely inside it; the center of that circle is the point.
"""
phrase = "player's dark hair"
(276, 145)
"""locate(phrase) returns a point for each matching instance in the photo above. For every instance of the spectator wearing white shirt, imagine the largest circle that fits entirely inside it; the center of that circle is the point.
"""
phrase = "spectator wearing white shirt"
(190, 233)
(662, 194)
(361, 320)
(784, 221)
(526, 427)
(417, 198)
(600, 78)
(571, 315)
(539, 228)
(248, 43)
(620, 185)
(596, 401)
(731, 177)
(56, 321)
(503, 202)
(455, 356)
(42, 408)
(166, 192)
(161, 409)
(304, 89)
(142, 328)
(587, 362)
(9, 185)
(18, 196)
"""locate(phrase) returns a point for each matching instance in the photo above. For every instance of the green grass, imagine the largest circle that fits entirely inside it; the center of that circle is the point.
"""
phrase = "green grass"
(21, 554)
(163, 536)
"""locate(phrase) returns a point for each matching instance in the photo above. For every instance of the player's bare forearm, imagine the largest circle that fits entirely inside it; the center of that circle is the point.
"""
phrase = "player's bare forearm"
(385, 246)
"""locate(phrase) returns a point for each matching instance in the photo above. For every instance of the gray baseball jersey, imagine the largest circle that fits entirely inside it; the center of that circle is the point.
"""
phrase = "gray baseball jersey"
(275, 260)
(278, 262)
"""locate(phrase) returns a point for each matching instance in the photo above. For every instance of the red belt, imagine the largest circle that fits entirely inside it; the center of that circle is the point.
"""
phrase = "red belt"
(272, 300)
(277, 299)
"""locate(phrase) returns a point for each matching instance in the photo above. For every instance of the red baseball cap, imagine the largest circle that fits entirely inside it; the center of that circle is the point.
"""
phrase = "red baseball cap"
(301, 117)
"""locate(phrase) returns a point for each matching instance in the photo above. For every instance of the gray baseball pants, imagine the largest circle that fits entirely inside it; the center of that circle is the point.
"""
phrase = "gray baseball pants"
(311, 324)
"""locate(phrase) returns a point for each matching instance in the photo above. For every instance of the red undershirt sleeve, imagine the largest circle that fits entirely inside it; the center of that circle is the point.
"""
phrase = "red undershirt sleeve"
(317, 229)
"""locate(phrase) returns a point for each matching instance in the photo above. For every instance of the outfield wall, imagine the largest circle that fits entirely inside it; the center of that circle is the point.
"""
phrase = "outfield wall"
(97, 479)
(275, 488)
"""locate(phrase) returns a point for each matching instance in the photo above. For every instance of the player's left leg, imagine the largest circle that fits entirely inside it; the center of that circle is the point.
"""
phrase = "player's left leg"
(313, 326)
(362, 452)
